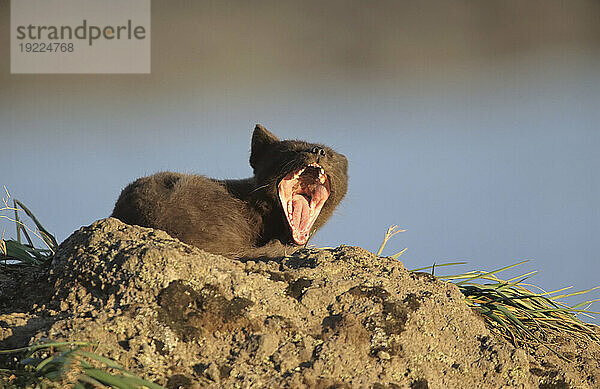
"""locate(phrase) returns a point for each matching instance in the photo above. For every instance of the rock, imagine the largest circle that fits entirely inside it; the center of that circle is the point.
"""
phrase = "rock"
(339, 317)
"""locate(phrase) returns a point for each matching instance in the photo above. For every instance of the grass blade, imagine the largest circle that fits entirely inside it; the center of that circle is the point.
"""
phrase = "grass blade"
(108, 379)
(17, 221)
(492, 272)
(398, 254)
(440, 265)
(48, 238)
(575, 293)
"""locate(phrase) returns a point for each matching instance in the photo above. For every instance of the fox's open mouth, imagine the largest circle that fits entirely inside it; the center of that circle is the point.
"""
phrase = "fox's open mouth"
(303, 193)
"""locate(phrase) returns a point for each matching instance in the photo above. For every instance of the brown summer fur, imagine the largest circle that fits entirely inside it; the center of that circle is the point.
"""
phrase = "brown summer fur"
(236, 218)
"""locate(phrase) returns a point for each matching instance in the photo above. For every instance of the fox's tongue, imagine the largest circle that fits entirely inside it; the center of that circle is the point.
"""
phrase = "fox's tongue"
(301, 214)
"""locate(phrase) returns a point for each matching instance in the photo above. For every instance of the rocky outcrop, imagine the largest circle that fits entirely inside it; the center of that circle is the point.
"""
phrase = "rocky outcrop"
(327, 318)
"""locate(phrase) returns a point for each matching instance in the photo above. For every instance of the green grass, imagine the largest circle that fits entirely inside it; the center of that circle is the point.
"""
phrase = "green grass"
(527, 319)
(67, 364)
(510, 309)
(17, 250)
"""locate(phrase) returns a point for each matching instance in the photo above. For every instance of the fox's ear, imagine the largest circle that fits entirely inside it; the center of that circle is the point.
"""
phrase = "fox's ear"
(262, 139)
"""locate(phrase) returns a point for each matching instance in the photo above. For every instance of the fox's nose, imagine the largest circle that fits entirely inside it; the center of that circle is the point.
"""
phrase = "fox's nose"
(318, 150)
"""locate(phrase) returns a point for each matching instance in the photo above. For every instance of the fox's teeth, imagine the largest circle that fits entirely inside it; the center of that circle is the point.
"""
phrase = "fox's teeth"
(322, 178)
